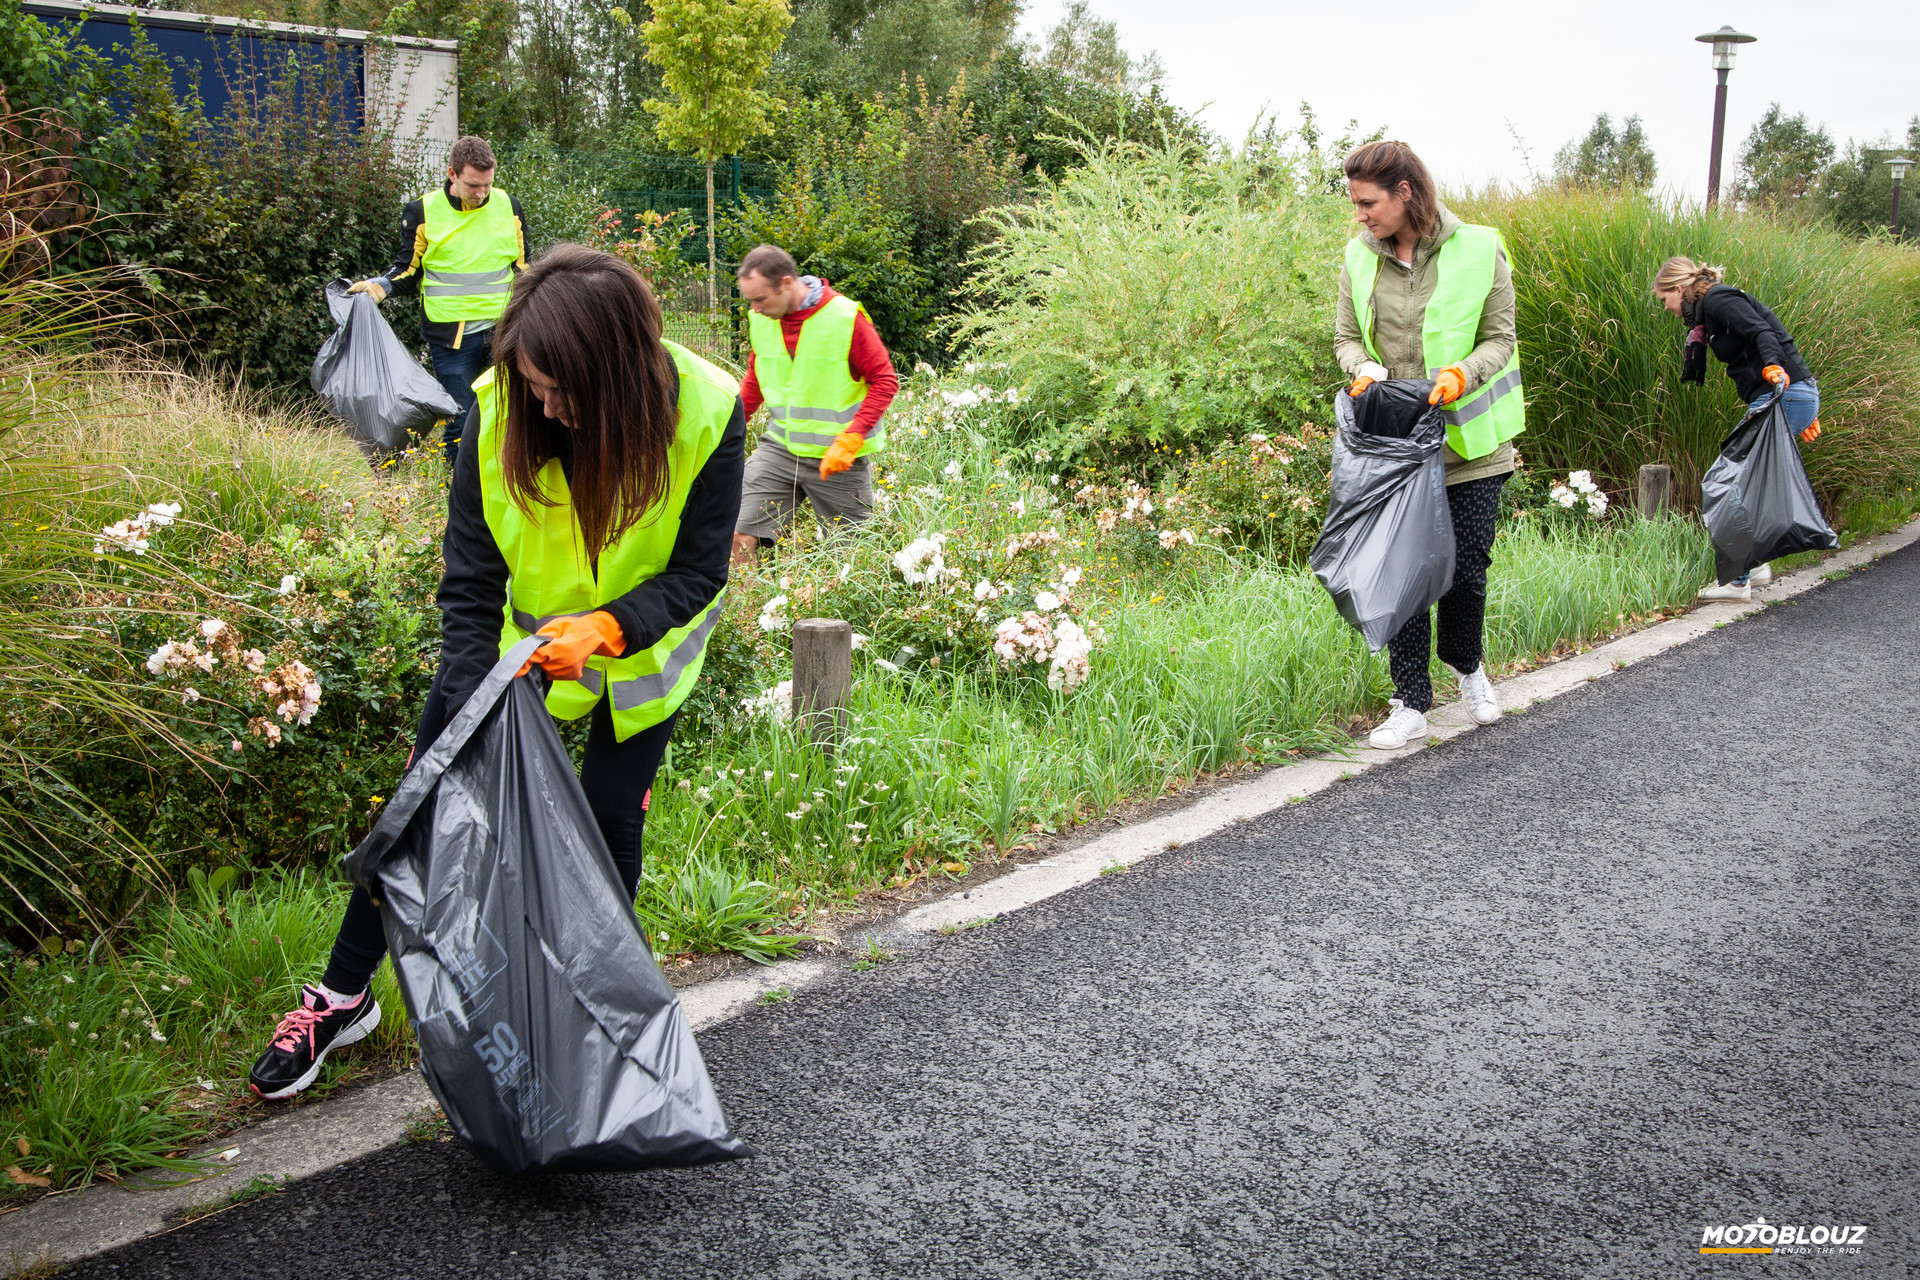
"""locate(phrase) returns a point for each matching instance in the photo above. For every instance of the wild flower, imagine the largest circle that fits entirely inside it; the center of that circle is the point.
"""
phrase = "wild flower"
(1578, 485)
(923, 560)
(775, 703)
(1171, 538)
(1031, 540)
(770, 619)
(134, 533)
(1018, 506)
(1046, 601)
(1071, 649)
(891, 668)
(189, 695)
(1027, 638)
(952, 470)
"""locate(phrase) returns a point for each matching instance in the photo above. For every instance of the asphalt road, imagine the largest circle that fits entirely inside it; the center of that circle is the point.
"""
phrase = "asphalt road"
(1543, 1002)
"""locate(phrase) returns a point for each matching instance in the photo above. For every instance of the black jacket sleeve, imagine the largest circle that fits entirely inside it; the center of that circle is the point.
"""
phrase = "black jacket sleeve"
(404, 274)
(473, 587)
(696, 572)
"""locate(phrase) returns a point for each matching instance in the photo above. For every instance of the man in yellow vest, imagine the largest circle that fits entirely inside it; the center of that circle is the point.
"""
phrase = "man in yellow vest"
(461, 247)
(819, 366)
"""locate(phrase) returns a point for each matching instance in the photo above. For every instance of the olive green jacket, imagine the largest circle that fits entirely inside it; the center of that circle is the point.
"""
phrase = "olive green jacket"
(1400, 295)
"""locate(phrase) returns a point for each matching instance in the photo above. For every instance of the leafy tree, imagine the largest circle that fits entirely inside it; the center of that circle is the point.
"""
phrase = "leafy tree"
(712, 55)
(855, 48)
(1857, 191)
(1782, 161)
(1087, 47)
(1606, 159)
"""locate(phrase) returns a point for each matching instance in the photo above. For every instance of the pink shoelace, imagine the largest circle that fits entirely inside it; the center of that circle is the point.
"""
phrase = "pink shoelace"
(297, 1023)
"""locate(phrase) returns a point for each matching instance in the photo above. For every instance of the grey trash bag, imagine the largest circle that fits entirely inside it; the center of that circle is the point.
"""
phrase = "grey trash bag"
(365, 375)
(1755, 499)
(546, 1031)
(1385, 552)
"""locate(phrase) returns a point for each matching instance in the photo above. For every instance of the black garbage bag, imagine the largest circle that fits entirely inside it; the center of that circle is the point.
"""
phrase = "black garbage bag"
(367, 376)
(1385, 552)
(1755, 498)
(546, 1031)
(1392, 407)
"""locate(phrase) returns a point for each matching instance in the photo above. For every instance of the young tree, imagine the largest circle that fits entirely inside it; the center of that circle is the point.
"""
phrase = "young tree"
(1857, 190)
(1782, 161)
(1087, 47)
(712, 54)
(1604, 158)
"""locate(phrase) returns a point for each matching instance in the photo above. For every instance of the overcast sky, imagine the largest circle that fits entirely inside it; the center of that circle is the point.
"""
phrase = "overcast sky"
(1448, 77)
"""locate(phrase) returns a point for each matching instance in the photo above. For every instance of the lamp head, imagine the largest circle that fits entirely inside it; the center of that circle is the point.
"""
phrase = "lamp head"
(1725, 41)
(1900, 165)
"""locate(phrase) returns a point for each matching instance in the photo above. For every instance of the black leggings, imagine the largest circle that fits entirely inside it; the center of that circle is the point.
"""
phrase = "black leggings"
(617, 777)
(1463, 610)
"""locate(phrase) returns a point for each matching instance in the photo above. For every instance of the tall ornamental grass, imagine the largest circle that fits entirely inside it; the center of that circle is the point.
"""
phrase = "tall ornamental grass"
(1161, 295)
(1602, 358)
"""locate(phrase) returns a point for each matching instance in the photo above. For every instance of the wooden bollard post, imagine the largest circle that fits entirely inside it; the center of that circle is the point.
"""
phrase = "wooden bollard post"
(822, 678)
(1656, 489)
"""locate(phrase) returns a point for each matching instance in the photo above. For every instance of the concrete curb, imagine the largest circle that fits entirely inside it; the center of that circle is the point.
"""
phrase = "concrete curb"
(67, 1227)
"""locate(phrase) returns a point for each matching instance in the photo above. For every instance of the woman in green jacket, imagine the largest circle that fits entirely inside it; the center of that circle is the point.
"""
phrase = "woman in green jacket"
(1426, 296)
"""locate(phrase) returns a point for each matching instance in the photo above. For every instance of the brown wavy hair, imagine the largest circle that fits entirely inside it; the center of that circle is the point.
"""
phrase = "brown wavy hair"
(588, 321)
(1387, 165)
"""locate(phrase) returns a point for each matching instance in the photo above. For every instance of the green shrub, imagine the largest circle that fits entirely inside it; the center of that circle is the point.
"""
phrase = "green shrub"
(1602, 359)
(1158, 296)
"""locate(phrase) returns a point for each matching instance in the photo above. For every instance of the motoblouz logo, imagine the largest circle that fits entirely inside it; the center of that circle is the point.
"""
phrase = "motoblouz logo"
(1761, 1236)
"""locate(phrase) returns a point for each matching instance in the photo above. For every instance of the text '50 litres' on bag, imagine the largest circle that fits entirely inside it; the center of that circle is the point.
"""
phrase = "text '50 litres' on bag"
(546, 1031)
(366, 375)
(1386, 550)
(1755, 499)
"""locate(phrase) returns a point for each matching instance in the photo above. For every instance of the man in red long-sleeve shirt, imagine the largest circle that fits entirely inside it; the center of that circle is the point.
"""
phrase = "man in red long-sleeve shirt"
(820, 368)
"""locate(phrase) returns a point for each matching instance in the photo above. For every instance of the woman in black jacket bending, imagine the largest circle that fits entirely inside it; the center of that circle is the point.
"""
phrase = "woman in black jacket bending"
(1760, 356)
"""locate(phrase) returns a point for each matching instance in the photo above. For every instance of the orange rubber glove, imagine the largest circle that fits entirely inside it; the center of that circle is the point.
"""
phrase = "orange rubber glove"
(1776, 375)
(841, 453)
(575, 639)
(368, 286)
(1448, 385)
(1360, 384)
(1812, 432)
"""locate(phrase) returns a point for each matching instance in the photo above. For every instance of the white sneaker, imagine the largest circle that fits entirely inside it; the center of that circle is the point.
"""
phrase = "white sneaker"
(1477, 692)
(1761, 576)
(1402, 727)
(1732, 591)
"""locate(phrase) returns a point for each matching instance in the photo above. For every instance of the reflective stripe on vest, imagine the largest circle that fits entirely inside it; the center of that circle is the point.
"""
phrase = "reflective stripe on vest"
(549, 577)
(1495, 412)
(639, 690)
(813, 384)
(466, 272)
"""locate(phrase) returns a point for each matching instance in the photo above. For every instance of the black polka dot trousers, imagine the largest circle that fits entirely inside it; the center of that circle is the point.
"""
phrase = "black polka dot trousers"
(1463, 610)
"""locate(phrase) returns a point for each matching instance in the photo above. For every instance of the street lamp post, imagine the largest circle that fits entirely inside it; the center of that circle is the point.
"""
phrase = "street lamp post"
(1899, 165)
(1724, 42)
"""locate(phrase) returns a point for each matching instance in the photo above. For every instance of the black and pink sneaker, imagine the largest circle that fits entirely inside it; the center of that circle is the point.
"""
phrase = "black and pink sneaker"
(306, 1036)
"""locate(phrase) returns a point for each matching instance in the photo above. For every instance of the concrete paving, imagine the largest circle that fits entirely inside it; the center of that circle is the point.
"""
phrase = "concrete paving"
(1552, 999)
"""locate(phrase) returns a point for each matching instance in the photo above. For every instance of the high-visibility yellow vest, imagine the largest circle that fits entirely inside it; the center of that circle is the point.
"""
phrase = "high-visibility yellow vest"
(550, 576)
(1496, 411)
(467, 269)
(811, 395)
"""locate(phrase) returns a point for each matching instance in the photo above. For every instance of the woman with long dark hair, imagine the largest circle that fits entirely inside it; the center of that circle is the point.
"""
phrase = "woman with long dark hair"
(1760, 356)
(594, 502)
(1426, 296)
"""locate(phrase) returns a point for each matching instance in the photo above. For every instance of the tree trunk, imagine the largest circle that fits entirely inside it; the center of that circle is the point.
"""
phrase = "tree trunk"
(713, 267)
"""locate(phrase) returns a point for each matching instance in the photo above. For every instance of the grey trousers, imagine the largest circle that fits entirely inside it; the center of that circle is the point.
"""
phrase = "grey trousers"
(776, 482)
